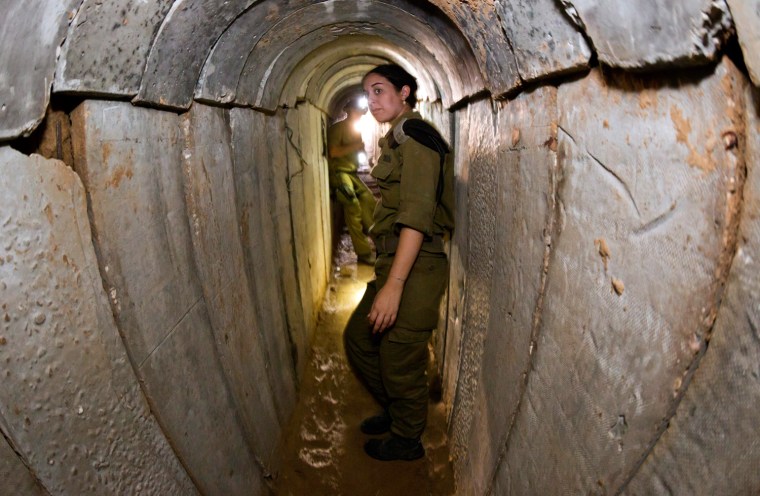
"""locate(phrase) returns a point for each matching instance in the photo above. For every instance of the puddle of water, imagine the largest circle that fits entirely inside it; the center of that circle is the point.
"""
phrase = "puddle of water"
(323, 453)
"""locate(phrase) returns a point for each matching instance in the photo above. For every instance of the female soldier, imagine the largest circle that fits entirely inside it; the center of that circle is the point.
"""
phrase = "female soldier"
(387, 337)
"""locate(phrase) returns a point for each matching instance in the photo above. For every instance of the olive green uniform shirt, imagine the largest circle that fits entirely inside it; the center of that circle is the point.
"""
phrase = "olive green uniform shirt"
(408, 179)
(342, 134)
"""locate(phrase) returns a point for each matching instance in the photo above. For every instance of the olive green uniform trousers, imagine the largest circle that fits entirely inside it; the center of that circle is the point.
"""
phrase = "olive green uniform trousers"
(393, 365)
(358, 205)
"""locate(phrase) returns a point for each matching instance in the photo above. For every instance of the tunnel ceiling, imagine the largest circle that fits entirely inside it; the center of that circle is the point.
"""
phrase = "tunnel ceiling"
(167, 53)
(325, 72)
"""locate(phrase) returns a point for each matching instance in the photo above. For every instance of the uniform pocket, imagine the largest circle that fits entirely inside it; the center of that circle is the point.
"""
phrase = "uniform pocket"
(382, 170)
(422, 294)
(405, 336)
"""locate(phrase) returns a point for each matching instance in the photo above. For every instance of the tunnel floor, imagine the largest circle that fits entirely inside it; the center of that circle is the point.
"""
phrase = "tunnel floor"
(322, 451)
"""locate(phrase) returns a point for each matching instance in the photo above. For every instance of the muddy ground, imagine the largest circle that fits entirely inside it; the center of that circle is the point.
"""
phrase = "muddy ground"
(322, 453)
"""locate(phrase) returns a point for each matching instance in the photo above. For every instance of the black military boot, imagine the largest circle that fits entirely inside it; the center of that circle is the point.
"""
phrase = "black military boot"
(377, 424)
(395, 448)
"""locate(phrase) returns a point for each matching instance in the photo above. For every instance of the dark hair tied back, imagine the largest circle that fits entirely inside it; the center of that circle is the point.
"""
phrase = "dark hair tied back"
(398, 78)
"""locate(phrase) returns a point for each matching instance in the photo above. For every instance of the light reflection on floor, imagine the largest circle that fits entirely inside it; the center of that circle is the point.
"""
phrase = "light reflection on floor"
(323, 454)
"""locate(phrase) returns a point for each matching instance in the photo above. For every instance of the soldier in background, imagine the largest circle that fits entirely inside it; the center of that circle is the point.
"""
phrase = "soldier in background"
(344, 144)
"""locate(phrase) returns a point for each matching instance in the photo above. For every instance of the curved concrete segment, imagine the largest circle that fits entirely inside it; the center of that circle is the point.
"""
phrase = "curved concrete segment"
(131, 162)
(30, 34)
(67, 375)
(248, 344)
(221, 72)
(107, 46)
(185, 39)
(640, 35)
(513, 194)
(479, 143)
(715, 427)
(543, 39)
(478, 22)
(643, 253)
(746, 15)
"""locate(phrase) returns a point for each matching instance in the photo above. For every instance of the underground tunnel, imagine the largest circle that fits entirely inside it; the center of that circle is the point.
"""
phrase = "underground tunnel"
(166, 232)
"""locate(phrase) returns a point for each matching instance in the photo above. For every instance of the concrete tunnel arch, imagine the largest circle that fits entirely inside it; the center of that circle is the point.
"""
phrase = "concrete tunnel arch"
(139, 290)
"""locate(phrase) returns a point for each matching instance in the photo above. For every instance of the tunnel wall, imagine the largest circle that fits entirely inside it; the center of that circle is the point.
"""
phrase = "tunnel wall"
(138, 170)
(570, 207)
(201, 298)
(71, 409)
(718, 412)
(309, 203)
(264, 207)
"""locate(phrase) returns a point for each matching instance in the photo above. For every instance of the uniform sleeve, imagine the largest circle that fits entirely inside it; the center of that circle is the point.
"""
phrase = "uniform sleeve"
(419, 182)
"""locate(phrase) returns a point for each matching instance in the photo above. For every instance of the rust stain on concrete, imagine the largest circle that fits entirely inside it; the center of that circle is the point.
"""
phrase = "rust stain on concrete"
(551, 143)
(106, 152)
(617, 286)
(118, 175)
(683, 127)
(703, 161)
(647, 99)
(603, 249)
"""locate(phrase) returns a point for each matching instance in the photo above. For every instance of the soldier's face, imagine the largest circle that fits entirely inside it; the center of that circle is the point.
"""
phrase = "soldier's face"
(384, 100)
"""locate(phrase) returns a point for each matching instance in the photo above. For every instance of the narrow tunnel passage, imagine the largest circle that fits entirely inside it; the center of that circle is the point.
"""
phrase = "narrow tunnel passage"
(322, 450)
(165, 238)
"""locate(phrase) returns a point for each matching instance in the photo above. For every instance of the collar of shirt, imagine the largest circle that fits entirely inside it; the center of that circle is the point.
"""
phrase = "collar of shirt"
(409, 114)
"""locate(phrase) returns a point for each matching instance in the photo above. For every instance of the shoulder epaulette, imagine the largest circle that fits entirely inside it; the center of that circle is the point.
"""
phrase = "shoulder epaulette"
(426, 135)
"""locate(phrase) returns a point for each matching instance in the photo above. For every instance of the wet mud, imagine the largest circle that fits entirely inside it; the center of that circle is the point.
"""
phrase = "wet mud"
(323, 453)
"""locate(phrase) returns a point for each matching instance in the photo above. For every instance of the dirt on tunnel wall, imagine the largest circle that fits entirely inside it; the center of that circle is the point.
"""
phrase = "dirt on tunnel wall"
(159, 295)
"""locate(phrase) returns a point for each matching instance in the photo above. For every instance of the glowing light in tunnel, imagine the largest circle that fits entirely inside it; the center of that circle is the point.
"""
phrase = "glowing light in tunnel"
(363, 103)
(362, 158)
(366, 125)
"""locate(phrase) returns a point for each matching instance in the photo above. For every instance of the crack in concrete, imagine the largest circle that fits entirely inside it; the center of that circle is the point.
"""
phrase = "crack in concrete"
(619, 179)
(549, 231)
(22, 458)
(752, 327)
(656, 222)
(730, 235)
